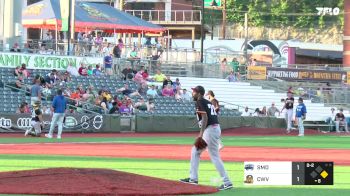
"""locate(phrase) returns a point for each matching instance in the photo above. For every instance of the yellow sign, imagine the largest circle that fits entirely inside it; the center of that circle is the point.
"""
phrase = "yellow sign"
(256, 72)
(347, 77)
(34, 10)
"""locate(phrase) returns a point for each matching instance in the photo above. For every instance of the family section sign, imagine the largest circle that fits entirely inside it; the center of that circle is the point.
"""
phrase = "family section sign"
(37, 61)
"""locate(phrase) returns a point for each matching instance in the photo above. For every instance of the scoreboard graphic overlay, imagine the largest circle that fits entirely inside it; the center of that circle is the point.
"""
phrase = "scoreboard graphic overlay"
(288, 173)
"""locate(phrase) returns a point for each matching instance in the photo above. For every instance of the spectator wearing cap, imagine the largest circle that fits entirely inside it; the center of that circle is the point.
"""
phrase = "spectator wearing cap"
(186, 96)
(176, 84)
(168, 91)
(152, 91)
(272, 110)
(340, 121)
(300, 115)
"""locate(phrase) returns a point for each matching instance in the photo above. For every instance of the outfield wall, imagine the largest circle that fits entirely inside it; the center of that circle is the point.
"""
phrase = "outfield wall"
(138, 123)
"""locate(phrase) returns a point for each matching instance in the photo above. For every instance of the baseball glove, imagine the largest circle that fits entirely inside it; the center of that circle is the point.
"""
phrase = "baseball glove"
(200, 143)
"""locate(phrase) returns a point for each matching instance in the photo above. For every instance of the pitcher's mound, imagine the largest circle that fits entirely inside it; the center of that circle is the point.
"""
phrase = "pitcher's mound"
(76, 181)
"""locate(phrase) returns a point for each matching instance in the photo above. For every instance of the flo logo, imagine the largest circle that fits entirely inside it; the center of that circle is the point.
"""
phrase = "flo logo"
(5, 123)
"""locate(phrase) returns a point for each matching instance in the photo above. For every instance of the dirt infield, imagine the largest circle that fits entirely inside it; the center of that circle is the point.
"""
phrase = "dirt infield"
(74, 181)
(179, 152)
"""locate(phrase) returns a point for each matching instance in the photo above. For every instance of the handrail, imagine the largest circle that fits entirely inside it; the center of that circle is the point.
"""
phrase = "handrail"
(46, 99)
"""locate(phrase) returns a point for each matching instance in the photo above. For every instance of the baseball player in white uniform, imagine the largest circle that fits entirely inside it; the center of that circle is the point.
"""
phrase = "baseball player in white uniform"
(289, 105)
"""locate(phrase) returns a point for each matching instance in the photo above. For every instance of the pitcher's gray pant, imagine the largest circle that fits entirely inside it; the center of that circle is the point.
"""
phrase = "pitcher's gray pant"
(289, 118)
(212, 136)
(57, 118)
(301, 126)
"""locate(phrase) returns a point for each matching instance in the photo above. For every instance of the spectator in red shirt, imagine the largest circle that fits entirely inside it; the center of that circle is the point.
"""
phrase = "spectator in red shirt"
(82, 70)
(168, 91)
(145, 75)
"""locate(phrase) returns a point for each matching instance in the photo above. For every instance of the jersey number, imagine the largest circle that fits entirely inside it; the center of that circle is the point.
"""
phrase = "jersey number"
(212, 109)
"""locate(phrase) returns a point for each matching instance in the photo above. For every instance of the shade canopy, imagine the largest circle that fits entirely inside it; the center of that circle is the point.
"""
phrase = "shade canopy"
(88, 16)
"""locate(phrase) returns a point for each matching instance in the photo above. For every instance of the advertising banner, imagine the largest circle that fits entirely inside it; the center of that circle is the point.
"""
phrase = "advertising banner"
(256, 72)
(305, 74)
(37, 61)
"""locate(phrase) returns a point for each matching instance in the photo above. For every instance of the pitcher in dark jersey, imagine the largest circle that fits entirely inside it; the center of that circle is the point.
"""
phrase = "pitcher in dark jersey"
(210, 131)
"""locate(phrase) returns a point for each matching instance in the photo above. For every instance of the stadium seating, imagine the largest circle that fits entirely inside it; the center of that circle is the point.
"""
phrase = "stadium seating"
(243, 94)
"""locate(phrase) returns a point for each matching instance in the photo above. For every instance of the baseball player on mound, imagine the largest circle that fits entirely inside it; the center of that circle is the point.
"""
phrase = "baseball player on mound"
(209, 137)
(36, 122)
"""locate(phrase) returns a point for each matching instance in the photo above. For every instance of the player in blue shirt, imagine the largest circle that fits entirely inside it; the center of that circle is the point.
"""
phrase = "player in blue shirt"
(300, 115)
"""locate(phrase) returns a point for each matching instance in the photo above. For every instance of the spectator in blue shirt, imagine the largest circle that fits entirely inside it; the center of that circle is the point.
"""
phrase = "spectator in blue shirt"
(300, 115)
(59, 106)
(97, 71)
(108, 62)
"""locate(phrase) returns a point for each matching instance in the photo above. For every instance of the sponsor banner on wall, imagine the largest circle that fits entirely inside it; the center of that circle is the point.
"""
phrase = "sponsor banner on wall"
(37, 61)
(72, 122)
(305, 74)
(256, 72)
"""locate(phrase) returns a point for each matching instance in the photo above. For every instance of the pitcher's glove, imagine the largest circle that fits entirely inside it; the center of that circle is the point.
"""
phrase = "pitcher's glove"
(200, 144)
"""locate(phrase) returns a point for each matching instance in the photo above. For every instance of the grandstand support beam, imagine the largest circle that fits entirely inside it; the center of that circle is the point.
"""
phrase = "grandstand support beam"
(346, 38)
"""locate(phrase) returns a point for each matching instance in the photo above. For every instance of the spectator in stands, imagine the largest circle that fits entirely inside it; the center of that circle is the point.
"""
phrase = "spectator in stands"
(25, 71)
(256, 112)
(15, 48)
(272, 110)
(235, 66)
(72, 70)
(97, 71)
(108, 62)
(152, 91)
(117, 50)
(104, 105)
(23, 108)
(19, 82)
(114, 109)
(128, 72)
(89, 71)
(145, 75)
(231, 77)
(246, 112)
(263, 112)
(185, 95)
(178, 94)
(26, 48)
(35, 92)
(18, 71)
(176, 84)
(167, 81)
(50, 80)
(331, 118)
(214, 102)
(124, 109)
(134, 56)
(168, 91)
(106, 49)
(82, 70)
(75, 96)
(141, 104)
(223, 65)
(143, 88)
(138, 77)
(159, 76)
(340, 121)
(150, 105)
(128, 92)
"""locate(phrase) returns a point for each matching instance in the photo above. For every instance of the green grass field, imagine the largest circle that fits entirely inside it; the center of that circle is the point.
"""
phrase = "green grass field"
(174, 170)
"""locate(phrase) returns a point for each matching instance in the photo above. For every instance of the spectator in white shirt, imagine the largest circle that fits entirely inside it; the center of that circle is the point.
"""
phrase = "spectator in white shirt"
(246, 112)
(73, 71)
(331, 117)
(185, 95)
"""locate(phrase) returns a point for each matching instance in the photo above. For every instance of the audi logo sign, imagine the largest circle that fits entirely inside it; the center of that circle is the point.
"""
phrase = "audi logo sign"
(24, 122)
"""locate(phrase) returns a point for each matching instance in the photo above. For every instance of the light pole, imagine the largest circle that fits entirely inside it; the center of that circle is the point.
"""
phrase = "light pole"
(202, 30)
